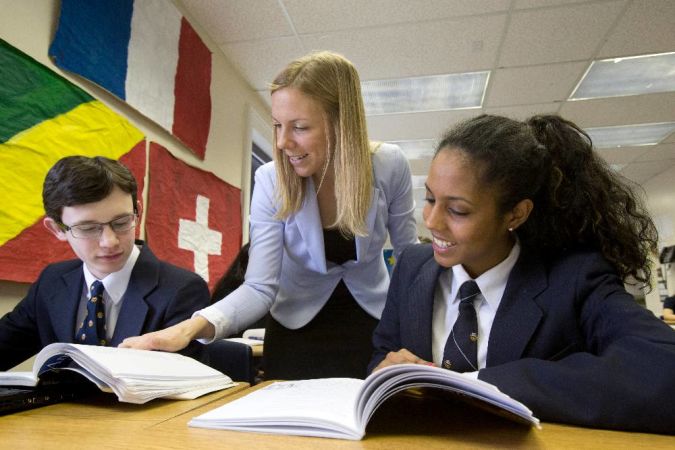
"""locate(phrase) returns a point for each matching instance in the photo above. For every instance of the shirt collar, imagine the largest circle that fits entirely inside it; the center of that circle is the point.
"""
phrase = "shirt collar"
(492, 282)
(116, 283)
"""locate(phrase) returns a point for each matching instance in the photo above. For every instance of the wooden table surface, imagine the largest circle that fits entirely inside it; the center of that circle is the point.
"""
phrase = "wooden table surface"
(402, 422)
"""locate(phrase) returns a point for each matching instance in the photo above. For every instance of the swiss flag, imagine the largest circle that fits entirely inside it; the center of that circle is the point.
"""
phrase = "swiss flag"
(193, 217)
(23, 258)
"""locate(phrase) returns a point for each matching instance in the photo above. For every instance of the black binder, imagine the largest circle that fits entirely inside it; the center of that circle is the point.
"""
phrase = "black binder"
(14, 399)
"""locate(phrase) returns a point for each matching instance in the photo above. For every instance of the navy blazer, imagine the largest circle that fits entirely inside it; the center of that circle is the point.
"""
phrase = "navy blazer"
(567, 340)
(159, 295)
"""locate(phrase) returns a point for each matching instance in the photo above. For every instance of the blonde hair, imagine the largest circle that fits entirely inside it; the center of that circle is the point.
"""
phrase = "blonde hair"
(334, 83)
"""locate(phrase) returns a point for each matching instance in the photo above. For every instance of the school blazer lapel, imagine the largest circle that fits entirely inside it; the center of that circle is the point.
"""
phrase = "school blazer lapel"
(363, 242)
(518, 314)
(63, 306)
(420, 305)
(144, 279)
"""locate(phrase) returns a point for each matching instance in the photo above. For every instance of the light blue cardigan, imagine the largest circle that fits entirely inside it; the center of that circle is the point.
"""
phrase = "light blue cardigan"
(288, 273)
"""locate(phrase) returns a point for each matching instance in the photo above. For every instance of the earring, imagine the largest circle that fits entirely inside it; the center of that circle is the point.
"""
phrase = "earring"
(511, 230)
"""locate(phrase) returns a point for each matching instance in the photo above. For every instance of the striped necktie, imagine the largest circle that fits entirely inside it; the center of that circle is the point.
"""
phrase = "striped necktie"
(461, 348)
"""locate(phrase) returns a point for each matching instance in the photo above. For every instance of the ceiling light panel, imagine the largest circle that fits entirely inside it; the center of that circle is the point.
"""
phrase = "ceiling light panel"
(432, 93)
(634, 75)
(630, 135)
(417, 149)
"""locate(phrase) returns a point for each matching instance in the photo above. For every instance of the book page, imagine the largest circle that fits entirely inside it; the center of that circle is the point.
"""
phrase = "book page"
(18, 379)
(126, 362)
(135, 376)
(342, 407)
(382, 384)
(320, 407)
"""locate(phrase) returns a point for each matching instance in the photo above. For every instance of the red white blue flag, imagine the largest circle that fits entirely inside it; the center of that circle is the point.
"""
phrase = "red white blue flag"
(144, 52)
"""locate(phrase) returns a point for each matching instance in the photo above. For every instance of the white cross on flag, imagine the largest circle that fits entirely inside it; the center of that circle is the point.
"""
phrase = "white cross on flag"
(193, 217)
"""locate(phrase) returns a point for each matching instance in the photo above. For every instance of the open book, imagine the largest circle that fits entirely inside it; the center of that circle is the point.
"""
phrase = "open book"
(135, 376)
(341, 407)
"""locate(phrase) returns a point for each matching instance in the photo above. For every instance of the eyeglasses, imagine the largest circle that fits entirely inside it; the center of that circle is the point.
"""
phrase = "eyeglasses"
(94, 230)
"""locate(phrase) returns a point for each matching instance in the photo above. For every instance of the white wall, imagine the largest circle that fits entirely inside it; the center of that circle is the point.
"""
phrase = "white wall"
(661, 202)
(29, 26)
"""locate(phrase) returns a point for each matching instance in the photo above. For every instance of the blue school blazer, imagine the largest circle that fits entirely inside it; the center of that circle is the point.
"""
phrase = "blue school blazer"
(158, 295)
(567, 340)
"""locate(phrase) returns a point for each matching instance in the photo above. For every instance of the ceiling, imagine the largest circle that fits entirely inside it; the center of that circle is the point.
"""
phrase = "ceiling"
(536, 50)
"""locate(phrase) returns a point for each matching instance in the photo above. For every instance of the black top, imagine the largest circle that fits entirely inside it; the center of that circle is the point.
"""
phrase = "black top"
(335, 343)
(338, 249)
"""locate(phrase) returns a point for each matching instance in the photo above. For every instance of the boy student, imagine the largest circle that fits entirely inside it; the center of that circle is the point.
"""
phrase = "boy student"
(117, 288)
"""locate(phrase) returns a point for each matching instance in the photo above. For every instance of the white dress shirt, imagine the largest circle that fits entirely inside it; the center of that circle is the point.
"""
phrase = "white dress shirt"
(115, 286)
(492, 284)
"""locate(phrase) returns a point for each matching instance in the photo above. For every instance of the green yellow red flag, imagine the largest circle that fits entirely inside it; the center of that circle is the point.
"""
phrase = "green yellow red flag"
(43, 118)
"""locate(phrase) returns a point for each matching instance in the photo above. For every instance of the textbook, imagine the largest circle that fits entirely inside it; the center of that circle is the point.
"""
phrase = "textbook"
(135, 376)
(341, 407)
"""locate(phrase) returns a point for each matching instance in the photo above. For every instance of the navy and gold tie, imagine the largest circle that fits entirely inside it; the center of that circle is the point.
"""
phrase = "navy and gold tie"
(461, 348)
(92, 330)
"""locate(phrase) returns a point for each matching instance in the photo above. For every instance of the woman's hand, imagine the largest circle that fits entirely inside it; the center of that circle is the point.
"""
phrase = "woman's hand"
(402, 356)
(173, 338)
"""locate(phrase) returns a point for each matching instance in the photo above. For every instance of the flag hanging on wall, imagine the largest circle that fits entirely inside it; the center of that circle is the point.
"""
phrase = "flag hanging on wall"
(193, 219)
(44, 117)
(145, 53)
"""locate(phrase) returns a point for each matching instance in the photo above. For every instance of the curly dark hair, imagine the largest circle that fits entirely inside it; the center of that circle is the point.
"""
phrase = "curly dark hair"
(579, 201)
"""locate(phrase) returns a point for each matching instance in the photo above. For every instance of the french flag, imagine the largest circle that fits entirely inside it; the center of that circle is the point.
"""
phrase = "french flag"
(144, 52)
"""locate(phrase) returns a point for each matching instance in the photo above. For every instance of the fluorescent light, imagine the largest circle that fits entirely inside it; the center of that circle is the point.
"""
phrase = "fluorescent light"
(633, 75)
(630, 135)
(417, 149)
(432, 93)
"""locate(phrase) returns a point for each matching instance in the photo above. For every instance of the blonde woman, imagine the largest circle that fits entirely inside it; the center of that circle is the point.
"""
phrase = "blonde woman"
(320, 216)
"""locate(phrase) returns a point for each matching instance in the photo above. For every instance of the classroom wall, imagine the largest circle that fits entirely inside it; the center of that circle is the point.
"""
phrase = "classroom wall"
(237, 109)
(661, 203)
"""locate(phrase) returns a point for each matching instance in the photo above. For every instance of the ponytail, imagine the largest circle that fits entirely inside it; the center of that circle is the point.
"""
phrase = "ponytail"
(588, 204)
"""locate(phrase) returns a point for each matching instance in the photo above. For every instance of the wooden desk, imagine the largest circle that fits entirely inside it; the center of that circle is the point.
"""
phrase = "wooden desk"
(257, 351)
(83, 423)
(402, 422)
